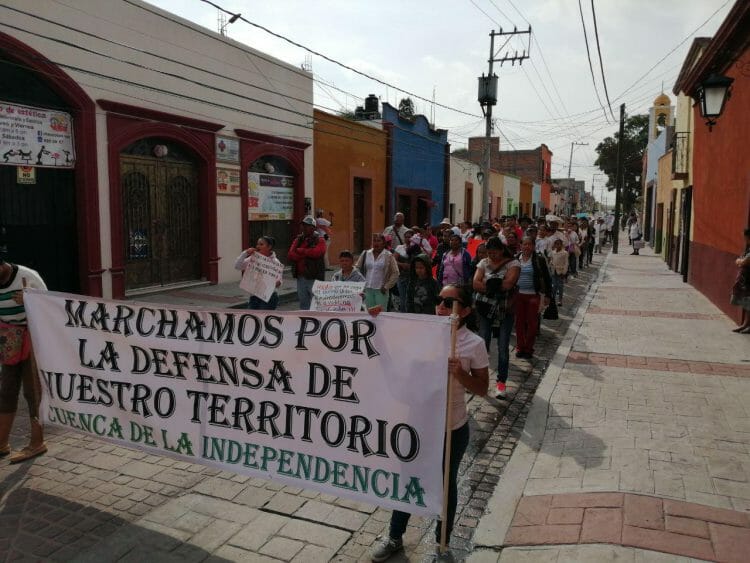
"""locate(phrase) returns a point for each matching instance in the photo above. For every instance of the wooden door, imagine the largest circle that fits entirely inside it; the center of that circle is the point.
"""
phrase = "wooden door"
(161, 223)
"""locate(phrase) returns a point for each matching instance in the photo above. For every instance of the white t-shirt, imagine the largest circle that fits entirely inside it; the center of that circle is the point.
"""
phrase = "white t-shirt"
(10, 311)
(375, 269)
(472, 352)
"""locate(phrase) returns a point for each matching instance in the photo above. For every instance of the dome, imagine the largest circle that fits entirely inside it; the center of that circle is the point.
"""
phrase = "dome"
(662, 100)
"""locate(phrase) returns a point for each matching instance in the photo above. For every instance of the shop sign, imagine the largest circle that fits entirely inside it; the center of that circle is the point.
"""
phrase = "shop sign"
(227, 149)
(270, 197)
(31, 136)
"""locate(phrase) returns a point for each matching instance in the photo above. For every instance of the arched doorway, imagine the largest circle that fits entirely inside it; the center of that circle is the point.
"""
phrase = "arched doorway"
(37, 209)
(161, 214)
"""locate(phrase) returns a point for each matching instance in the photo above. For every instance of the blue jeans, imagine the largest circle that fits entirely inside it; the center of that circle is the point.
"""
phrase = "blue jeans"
(459, 442)
(573, 264)
(304, 293)
(558, 286)
(503, 342)
(403, 287)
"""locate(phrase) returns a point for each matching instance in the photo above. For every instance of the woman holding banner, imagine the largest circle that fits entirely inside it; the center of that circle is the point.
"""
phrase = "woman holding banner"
(264, 246)
(468, 370)
(17, 359)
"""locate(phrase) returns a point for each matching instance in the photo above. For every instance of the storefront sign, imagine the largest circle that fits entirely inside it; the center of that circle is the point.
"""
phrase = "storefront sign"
(31, 136)
(227, 149)
(339, 403)
(25, 175)
(228, 181)
(270, 197)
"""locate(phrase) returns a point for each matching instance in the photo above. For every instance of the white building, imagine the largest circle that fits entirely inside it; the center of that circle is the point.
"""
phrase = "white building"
(465, 202)
(185, 145)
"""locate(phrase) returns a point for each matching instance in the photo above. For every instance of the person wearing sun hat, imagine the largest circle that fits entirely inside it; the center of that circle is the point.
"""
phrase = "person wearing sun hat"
(306, 256)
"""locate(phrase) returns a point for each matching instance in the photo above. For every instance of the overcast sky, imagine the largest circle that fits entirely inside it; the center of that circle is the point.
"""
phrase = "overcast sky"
(421, 45)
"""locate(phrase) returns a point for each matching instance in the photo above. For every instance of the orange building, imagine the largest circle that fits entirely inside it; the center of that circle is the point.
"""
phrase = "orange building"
(350, 179)
(719, 198)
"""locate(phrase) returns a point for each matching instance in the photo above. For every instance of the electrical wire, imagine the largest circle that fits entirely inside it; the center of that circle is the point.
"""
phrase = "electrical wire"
(591, 67)
(601, 62)
(334, 61)
(305, 138)
(172, 75)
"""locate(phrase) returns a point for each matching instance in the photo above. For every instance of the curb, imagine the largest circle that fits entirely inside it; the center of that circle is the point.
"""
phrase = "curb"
(493, 526)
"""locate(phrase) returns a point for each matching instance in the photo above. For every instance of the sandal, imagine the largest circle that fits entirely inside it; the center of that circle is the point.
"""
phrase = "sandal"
(5, 450)
(28, 453)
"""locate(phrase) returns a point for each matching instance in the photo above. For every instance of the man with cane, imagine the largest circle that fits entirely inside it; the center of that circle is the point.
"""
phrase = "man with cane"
(468, 369)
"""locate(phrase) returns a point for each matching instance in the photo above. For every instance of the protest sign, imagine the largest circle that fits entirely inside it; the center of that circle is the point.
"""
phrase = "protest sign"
(341, 403)
(260, 275)
(336, 296)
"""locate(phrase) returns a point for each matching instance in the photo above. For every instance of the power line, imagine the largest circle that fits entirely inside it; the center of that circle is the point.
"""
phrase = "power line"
(591, 67)
(140, 86)
(334, 61)
(673, 50)
(601, 61)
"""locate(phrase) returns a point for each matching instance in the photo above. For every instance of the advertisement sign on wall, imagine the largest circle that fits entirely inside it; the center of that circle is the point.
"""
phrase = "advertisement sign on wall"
(270, 197)
(228, 181)
(31, 136)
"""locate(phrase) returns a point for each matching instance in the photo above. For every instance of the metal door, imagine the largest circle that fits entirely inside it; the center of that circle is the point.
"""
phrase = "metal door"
(161, 223)
(40, 224)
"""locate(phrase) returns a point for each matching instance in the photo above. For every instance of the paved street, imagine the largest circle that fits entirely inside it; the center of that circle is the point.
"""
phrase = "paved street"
(638, 436)
(642, 395)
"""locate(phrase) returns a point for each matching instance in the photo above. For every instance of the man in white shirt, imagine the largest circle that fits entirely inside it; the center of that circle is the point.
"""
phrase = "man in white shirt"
(397, 231)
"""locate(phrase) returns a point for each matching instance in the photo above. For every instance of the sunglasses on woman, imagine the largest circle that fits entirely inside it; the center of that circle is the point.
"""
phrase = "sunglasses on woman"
(448, 301)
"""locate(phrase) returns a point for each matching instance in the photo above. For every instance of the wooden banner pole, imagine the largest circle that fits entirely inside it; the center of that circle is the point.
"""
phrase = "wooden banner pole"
(448, 435)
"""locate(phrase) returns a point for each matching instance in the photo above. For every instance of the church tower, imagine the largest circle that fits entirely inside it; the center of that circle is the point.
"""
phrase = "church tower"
(661, 115)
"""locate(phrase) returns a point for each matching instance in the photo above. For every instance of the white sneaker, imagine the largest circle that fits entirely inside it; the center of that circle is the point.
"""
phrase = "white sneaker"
(500, 391)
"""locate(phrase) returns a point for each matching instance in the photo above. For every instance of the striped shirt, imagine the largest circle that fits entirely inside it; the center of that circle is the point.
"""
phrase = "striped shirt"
(10, 311)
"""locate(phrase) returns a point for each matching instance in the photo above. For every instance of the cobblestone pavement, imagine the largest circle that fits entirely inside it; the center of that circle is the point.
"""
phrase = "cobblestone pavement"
(86, 500)
(638, 437)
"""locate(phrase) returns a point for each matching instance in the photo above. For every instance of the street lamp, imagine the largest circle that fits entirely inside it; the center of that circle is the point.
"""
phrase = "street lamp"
(223, 26)
(480, 177)
(712, 94)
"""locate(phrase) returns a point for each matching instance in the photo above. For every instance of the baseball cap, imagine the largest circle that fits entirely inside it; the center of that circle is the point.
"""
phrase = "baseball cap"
(309, 220)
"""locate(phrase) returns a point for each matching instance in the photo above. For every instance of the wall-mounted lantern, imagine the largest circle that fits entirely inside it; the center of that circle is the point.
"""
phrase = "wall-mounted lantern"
(712, 94)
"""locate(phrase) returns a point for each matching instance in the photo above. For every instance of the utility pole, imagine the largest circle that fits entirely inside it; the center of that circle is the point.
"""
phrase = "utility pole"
(570, 160)
(618, 181)
(487, 97)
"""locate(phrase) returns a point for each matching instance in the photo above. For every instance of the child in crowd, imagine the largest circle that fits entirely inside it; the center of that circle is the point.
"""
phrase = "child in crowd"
(423, 289)
(347, 272)
(558, 261)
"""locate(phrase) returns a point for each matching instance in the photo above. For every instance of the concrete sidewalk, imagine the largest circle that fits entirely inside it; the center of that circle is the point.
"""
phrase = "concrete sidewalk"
(222, 295)
(636, 445)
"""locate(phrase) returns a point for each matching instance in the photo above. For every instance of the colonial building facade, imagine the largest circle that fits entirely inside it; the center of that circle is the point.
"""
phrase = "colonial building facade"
(160, 149)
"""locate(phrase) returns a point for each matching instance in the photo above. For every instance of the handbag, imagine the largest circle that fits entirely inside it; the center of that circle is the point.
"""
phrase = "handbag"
(15, 344)
(550, 313)
(638, 244)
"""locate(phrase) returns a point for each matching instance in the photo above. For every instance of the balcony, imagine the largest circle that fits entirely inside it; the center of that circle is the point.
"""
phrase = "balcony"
(680, 155)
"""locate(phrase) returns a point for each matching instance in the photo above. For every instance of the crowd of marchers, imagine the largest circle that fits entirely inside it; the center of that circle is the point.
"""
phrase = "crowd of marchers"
(516, 269)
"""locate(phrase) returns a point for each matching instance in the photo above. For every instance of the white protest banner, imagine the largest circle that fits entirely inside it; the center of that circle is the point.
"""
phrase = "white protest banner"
(260, 276)
(342, 403)
(333, 296)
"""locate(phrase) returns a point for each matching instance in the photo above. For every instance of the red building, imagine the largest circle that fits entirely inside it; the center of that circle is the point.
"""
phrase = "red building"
(721, 168)
(533, 165)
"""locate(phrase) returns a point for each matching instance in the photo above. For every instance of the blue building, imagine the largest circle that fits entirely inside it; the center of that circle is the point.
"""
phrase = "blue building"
(418, 168)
